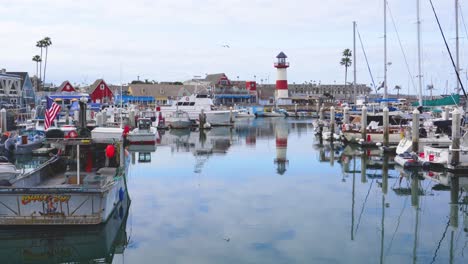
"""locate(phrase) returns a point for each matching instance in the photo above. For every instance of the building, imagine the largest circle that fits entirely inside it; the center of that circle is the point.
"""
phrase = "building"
(100, 92)
(16, 89)
(224, 90)
(66, 86)
(162, 94)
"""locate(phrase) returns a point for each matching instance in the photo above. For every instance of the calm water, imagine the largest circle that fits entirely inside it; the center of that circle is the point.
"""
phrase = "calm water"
(264, 191)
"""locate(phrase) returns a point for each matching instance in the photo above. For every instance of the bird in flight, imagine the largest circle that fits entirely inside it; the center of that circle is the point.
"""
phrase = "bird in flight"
(225, 46)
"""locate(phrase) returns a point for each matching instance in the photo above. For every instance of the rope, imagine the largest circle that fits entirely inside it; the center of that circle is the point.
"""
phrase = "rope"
(401, 47)
(367, 61)
(448, 49)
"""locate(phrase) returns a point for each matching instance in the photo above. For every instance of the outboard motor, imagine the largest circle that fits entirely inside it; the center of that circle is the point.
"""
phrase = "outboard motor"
(82, 129)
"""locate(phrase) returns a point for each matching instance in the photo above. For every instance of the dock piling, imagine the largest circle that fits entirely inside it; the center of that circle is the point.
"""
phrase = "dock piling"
(346, 115)
(332, 122)
(385, 127)
(364, 123)
(415, 131)
(456, 122)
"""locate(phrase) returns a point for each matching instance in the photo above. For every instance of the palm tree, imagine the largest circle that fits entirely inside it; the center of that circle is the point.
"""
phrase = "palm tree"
(37, 59)
(47, 42)
(430, 87)
(398, 88)
(346, 61)
(40, 44)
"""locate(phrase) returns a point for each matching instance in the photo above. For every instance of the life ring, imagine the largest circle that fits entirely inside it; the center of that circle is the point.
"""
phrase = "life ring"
(187, 99)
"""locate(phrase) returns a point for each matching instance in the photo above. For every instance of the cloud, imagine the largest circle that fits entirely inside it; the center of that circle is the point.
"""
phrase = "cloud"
(171, 40)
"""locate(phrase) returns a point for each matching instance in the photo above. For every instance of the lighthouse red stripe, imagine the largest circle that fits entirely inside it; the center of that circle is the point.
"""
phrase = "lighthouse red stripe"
(281, 84)
(282, 142)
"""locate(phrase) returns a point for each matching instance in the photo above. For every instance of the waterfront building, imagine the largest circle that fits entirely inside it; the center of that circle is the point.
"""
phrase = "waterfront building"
(16, 89)
(162, 93)
(66, 86)
(100, 92)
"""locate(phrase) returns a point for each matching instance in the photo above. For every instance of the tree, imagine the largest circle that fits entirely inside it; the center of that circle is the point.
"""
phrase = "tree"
(46, 42)
(430, 87)
(398, 88)
(40, 44)
(346, 62)
(37, 59)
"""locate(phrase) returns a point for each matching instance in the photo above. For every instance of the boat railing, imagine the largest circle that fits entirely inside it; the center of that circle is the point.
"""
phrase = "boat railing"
(51, 220)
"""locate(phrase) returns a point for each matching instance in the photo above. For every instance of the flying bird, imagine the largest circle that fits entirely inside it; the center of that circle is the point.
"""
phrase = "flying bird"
(226, 46)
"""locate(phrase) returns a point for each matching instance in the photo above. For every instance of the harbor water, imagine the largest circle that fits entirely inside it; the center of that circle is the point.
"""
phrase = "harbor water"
(262, 191)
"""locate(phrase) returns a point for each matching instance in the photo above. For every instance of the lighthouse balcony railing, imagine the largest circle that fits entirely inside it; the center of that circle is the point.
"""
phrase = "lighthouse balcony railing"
(281, 64)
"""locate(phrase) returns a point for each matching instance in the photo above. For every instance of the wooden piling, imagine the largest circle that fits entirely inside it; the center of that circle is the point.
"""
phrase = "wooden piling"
(456, 122)
(332, 122)
(385, 127)
(415, 131)
(364, 123)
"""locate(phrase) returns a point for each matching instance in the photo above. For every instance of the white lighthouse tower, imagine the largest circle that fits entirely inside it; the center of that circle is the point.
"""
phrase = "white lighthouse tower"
(281, 78)
(281, 131)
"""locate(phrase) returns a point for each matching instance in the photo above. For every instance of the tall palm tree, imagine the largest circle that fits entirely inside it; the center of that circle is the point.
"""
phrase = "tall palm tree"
(40, 44)
(37, 59)
(346, 62)
(47, 42)
(398, 88)
(430, 87)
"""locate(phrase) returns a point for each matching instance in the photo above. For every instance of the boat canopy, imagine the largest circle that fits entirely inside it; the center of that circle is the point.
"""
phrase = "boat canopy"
(453, 99)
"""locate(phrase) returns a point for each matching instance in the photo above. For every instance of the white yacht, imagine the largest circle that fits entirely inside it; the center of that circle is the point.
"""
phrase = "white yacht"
(144, 133)
(194, 104)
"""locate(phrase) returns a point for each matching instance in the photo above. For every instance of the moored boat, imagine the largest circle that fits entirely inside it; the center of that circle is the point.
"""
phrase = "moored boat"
(144, 133)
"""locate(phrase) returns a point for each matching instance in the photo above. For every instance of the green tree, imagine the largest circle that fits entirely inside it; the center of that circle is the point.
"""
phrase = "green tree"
(40, 44)
(398, 88)
(37, 59)
(46, 42)
(346, 62)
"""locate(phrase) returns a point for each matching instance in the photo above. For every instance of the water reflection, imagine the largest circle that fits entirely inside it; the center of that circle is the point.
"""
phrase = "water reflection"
(65, 244)
(216, 196)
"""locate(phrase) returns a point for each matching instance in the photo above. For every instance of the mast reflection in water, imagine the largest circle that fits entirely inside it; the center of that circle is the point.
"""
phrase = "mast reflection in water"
(268, 191)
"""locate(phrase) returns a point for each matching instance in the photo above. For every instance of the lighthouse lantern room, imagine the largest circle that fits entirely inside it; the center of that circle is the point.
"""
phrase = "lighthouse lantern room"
(281, 79)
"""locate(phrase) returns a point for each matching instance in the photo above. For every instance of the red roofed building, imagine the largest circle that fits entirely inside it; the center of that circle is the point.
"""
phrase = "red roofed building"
(100, 93)
(66, 86)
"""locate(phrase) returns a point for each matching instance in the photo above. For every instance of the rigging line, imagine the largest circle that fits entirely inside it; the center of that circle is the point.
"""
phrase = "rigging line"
(440, 242)
(463, 19)
(363, 206)
(396, 228)
(401, 47)
(448, 49)
(365, 56)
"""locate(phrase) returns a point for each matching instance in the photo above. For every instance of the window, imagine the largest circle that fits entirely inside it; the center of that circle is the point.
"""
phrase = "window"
(192, 103)
(186, 103)
(179, 103)
(102, 86)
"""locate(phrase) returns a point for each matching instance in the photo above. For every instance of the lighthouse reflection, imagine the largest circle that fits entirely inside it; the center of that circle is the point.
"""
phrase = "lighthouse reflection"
(281, 135)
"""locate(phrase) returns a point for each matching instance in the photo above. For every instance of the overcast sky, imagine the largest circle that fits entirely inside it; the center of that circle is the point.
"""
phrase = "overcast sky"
(178, 39)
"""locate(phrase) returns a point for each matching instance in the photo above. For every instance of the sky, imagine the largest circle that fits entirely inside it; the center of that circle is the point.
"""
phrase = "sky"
(175, 40)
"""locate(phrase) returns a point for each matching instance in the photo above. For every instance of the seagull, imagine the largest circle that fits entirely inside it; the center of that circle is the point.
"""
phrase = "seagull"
(226, 46)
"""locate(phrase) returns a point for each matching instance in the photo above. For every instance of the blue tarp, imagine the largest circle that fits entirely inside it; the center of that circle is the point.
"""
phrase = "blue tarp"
(235, 96)
(389, 100)
(131, 98)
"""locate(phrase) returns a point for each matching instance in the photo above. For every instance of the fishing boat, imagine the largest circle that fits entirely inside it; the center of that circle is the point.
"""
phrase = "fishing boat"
(194, 104)
(82, 185)
(8, 170)
(144, 133)
(276, 113)
(244, 113)
(178, 120)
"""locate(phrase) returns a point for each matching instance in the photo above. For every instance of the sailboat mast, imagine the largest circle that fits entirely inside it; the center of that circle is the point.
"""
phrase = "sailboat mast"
(385, 50)
(354, 59)
(457, 46)
(419, 52)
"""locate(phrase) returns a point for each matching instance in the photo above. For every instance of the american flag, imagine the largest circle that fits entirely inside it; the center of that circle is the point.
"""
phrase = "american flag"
(50, 114)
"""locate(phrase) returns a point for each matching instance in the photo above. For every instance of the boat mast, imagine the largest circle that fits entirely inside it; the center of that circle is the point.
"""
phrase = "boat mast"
(418, 23)
(385, 50)
(354, 59)
(457, 46)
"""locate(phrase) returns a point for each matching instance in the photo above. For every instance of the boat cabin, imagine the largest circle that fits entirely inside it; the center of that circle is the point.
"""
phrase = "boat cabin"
(144, 123)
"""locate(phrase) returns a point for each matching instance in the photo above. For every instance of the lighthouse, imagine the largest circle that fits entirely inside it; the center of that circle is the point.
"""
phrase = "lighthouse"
(281, 131)
(281, 78)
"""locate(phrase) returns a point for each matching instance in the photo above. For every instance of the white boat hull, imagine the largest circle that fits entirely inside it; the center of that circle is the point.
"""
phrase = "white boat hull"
(355, 136)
